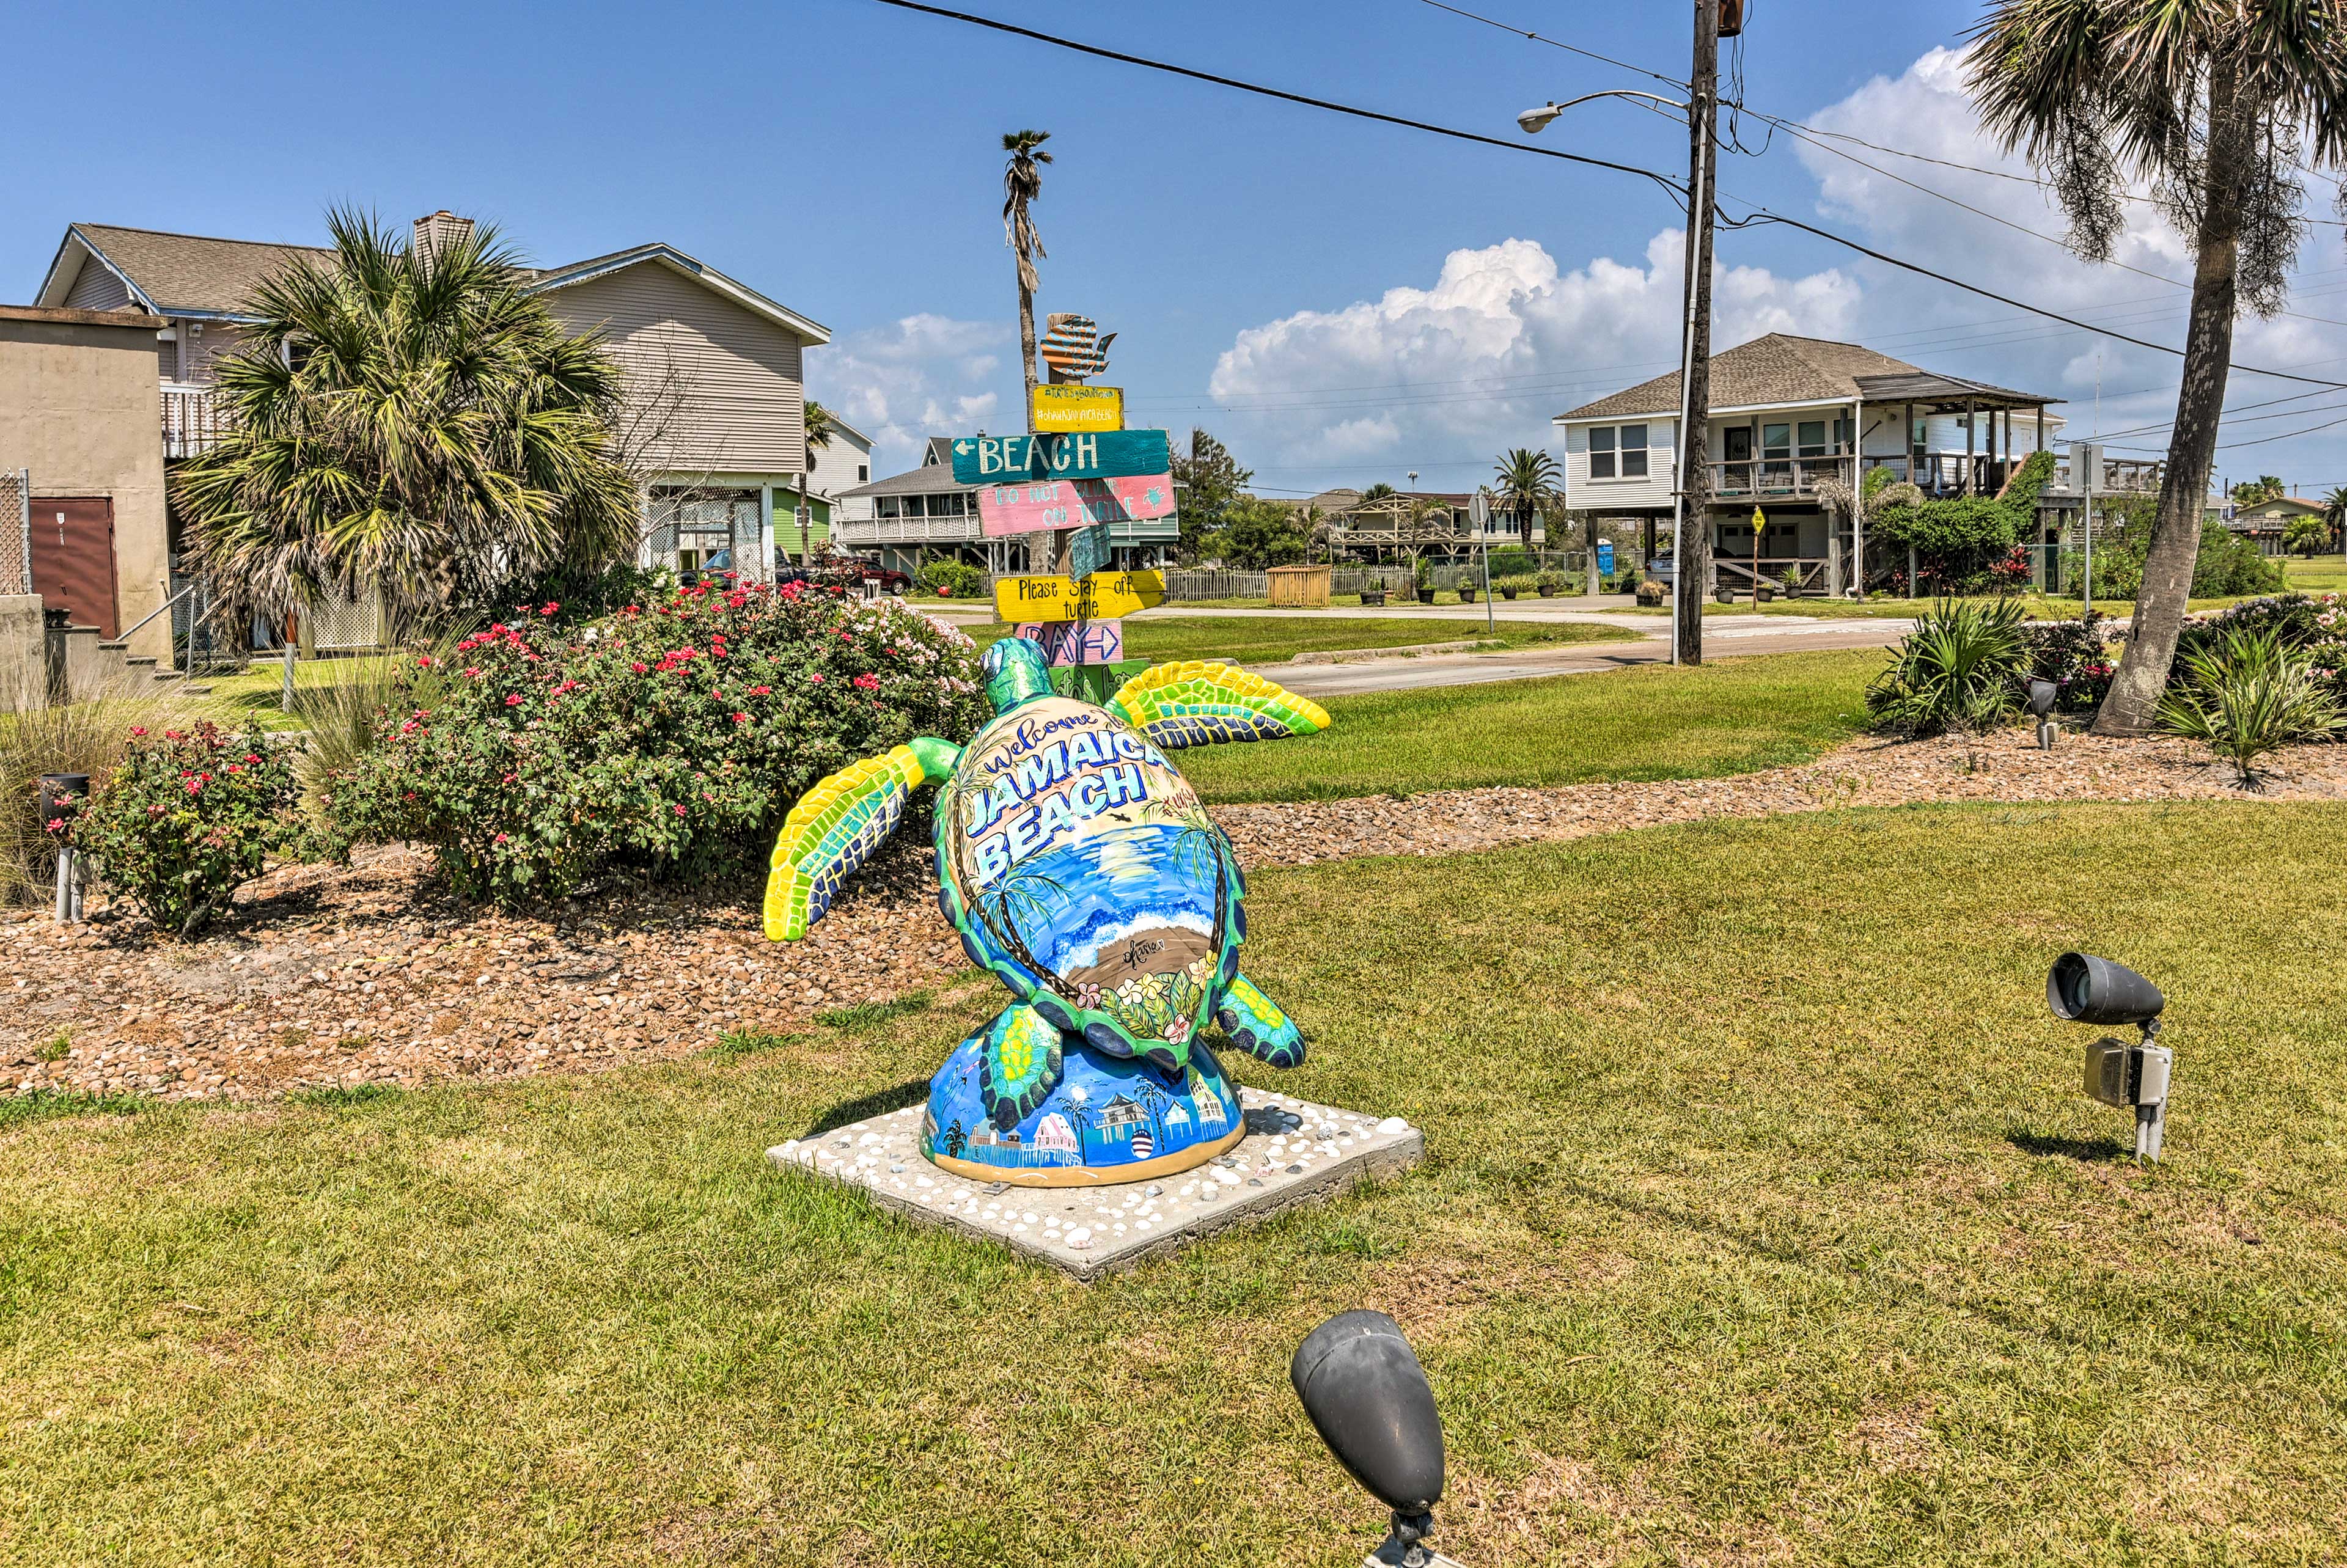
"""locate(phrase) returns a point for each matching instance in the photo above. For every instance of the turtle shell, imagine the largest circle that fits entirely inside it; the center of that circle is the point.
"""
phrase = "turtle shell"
(1080, 868)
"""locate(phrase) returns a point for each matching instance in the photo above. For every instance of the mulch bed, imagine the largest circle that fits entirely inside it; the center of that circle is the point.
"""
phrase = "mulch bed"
(329, 977)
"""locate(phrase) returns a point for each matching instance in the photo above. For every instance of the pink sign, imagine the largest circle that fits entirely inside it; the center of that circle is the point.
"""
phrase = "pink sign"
(1046, 503)
(1077, 641)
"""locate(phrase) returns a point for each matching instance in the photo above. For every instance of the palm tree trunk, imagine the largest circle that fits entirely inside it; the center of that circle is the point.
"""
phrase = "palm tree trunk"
(1026, 353)
(2175, 547)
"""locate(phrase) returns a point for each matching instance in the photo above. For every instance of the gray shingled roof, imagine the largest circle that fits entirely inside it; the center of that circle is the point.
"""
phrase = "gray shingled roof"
(1780, 368)
(190, 271)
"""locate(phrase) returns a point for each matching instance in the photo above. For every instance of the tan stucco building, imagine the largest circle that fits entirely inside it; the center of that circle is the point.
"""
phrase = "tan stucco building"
(77, 413)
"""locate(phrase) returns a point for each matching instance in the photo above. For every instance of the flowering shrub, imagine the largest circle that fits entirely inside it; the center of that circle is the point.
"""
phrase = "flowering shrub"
(186, 818)
(2316, 623)
(2076, 655)
(672, 735)
(951, 579)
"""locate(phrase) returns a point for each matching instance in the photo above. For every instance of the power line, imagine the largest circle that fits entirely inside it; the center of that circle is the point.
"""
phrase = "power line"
(1758, 214)
(1560, 44)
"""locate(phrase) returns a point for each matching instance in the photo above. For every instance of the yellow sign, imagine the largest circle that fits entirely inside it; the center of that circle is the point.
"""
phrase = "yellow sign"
(1102, 595)
(1064, 407)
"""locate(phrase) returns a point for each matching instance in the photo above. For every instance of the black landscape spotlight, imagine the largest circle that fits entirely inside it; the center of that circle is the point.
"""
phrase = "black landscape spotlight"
(2041, 693)
(1370, 1400)
(2084, 990)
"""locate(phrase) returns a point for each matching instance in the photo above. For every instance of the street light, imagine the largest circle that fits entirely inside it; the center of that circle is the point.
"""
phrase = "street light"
(1698, 261)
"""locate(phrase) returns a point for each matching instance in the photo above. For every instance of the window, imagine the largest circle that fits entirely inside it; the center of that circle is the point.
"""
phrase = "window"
(862, 473)
(1812, 437)
(1775, 441)
(1617, 452)
(884, 507)
(1634, 451)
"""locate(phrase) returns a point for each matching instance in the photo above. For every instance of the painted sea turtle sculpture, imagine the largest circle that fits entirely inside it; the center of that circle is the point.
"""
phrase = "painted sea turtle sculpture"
(1081, 871)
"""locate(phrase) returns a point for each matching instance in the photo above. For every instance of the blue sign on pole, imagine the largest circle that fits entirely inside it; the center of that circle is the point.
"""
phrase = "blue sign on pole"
(1606, 558)
(1079, 454)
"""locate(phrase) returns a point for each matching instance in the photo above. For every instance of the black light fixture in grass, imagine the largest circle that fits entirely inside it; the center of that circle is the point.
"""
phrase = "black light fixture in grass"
(1370, 1402)
(2041, 693)
(2086, 989)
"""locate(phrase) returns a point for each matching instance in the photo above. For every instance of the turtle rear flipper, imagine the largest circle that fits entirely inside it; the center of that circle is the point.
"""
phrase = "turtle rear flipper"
(1257, 1026)
(1018, 1064)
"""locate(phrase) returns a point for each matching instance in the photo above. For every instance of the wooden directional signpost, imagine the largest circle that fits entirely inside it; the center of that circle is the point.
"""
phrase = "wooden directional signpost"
(1024, 507)
(1060, 406)
(1100, 455)
(1076, 643)
(1103, 596)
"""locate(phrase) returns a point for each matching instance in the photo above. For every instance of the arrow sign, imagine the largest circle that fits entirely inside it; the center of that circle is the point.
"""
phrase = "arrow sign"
(1090, 454)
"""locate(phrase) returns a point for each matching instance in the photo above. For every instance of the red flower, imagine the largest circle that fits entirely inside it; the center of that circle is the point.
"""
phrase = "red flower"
(423, 661)
(513, 698)
(741, 717)
(551, 607)
(761, 690)
(56, 824)
(679, 811)
(817, 679)
(500, 838)
(867, 681)
(137, 729)
(195, 786)
(639, 667)
(472, 672)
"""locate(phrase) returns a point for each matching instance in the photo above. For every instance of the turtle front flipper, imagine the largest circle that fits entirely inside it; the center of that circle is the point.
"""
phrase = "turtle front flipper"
(1257, 1026)
(1207, 702)
(837, 824)
(1018, 1064)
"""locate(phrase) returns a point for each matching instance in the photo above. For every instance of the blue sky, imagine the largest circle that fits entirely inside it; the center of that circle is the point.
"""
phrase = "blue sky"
(1342, 302)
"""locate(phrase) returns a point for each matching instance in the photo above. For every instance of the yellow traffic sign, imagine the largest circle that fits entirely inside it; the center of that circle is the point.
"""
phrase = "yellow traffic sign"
(1102, 595)
(1060, 406)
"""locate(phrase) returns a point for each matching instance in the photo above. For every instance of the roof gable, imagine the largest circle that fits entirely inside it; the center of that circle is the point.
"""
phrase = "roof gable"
(676, 261)
(173, 274)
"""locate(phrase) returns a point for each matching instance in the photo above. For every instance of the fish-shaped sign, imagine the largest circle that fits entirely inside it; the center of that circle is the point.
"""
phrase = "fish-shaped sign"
(1089, 455)
(1073, 346)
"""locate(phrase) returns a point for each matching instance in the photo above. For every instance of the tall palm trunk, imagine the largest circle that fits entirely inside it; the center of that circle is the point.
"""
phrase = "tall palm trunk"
(1027, 345)
(2175, 547)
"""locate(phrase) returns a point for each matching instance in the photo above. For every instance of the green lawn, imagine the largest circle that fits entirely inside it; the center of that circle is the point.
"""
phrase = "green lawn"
(1649, 723)
(1764, 1221)
(255, 696)
(2035, 605)
(2320, 574)
(1262, 639)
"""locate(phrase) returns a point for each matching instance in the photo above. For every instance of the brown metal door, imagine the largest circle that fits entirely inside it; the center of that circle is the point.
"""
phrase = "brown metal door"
(73, 558)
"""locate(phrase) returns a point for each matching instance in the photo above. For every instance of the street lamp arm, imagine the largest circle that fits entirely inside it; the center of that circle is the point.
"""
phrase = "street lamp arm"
(1535, 121)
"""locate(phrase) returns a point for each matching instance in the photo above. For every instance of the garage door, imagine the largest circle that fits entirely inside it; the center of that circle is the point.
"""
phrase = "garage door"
(73, 558)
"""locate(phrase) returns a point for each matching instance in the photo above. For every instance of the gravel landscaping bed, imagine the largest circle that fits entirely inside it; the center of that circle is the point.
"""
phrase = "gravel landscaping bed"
(337, 977)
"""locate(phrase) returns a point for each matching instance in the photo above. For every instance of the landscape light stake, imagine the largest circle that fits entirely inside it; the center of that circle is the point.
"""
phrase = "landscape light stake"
(2084, 989)
(1370, 1402)
(2041, 693)
(59, 794)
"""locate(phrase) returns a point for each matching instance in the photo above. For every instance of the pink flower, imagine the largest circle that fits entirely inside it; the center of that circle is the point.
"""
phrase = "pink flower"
(137, 729)
(868, 682)
(639, 667)
(741, 717)
(500, 838)
(680, 810)
(423, 661)
(472, 673)
(195, 786)
(56, 824)
(551, 607)
(513, 698)
(761, 690)
(251, 756)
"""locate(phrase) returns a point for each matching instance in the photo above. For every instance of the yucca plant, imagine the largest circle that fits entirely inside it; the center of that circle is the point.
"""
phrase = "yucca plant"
(2247, 698)
(1960, 669)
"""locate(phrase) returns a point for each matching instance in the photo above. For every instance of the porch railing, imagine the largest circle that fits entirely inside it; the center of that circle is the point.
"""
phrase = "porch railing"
(1760, 477)
(193, 420)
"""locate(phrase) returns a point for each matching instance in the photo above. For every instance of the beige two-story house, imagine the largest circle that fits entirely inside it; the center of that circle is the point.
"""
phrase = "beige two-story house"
(714, 420)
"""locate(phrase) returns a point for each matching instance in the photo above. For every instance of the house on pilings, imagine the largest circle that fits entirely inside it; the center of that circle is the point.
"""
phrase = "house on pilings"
(1795, 424)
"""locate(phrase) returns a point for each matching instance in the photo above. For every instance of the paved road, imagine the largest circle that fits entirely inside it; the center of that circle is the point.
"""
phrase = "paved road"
(1724, 637)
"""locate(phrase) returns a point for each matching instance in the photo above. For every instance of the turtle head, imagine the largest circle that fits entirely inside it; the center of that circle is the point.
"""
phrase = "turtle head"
(1016, 673)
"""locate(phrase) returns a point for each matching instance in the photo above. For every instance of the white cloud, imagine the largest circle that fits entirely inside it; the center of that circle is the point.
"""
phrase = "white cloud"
(918, 376)
(1481, 359)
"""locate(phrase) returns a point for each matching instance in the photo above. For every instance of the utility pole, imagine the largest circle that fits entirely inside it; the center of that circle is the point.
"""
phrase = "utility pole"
(1690, 519)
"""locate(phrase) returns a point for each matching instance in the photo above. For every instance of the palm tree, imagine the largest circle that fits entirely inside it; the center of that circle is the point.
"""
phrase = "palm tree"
(1523, 479)
(413, 425)
(2211, 104)
(820, 425)
(1023, 183)
(2335, 512)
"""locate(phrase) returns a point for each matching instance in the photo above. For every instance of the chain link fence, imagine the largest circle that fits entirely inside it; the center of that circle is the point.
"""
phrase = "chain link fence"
(16, 531)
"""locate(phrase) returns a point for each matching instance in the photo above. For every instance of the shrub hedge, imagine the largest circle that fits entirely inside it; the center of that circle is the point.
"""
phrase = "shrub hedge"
(671, 736)
(186, 818)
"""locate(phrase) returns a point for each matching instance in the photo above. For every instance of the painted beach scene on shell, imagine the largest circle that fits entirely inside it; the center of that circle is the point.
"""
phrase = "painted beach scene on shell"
(1082, 872)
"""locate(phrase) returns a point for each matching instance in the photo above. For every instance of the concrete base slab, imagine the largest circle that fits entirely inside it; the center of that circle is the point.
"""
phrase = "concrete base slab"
(1294, 1151)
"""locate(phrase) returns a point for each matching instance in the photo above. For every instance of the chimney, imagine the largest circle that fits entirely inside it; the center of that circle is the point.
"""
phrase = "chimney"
(436, 233)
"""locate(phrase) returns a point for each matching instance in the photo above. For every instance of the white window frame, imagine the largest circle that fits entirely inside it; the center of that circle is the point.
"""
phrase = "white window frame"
(1619, 455)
